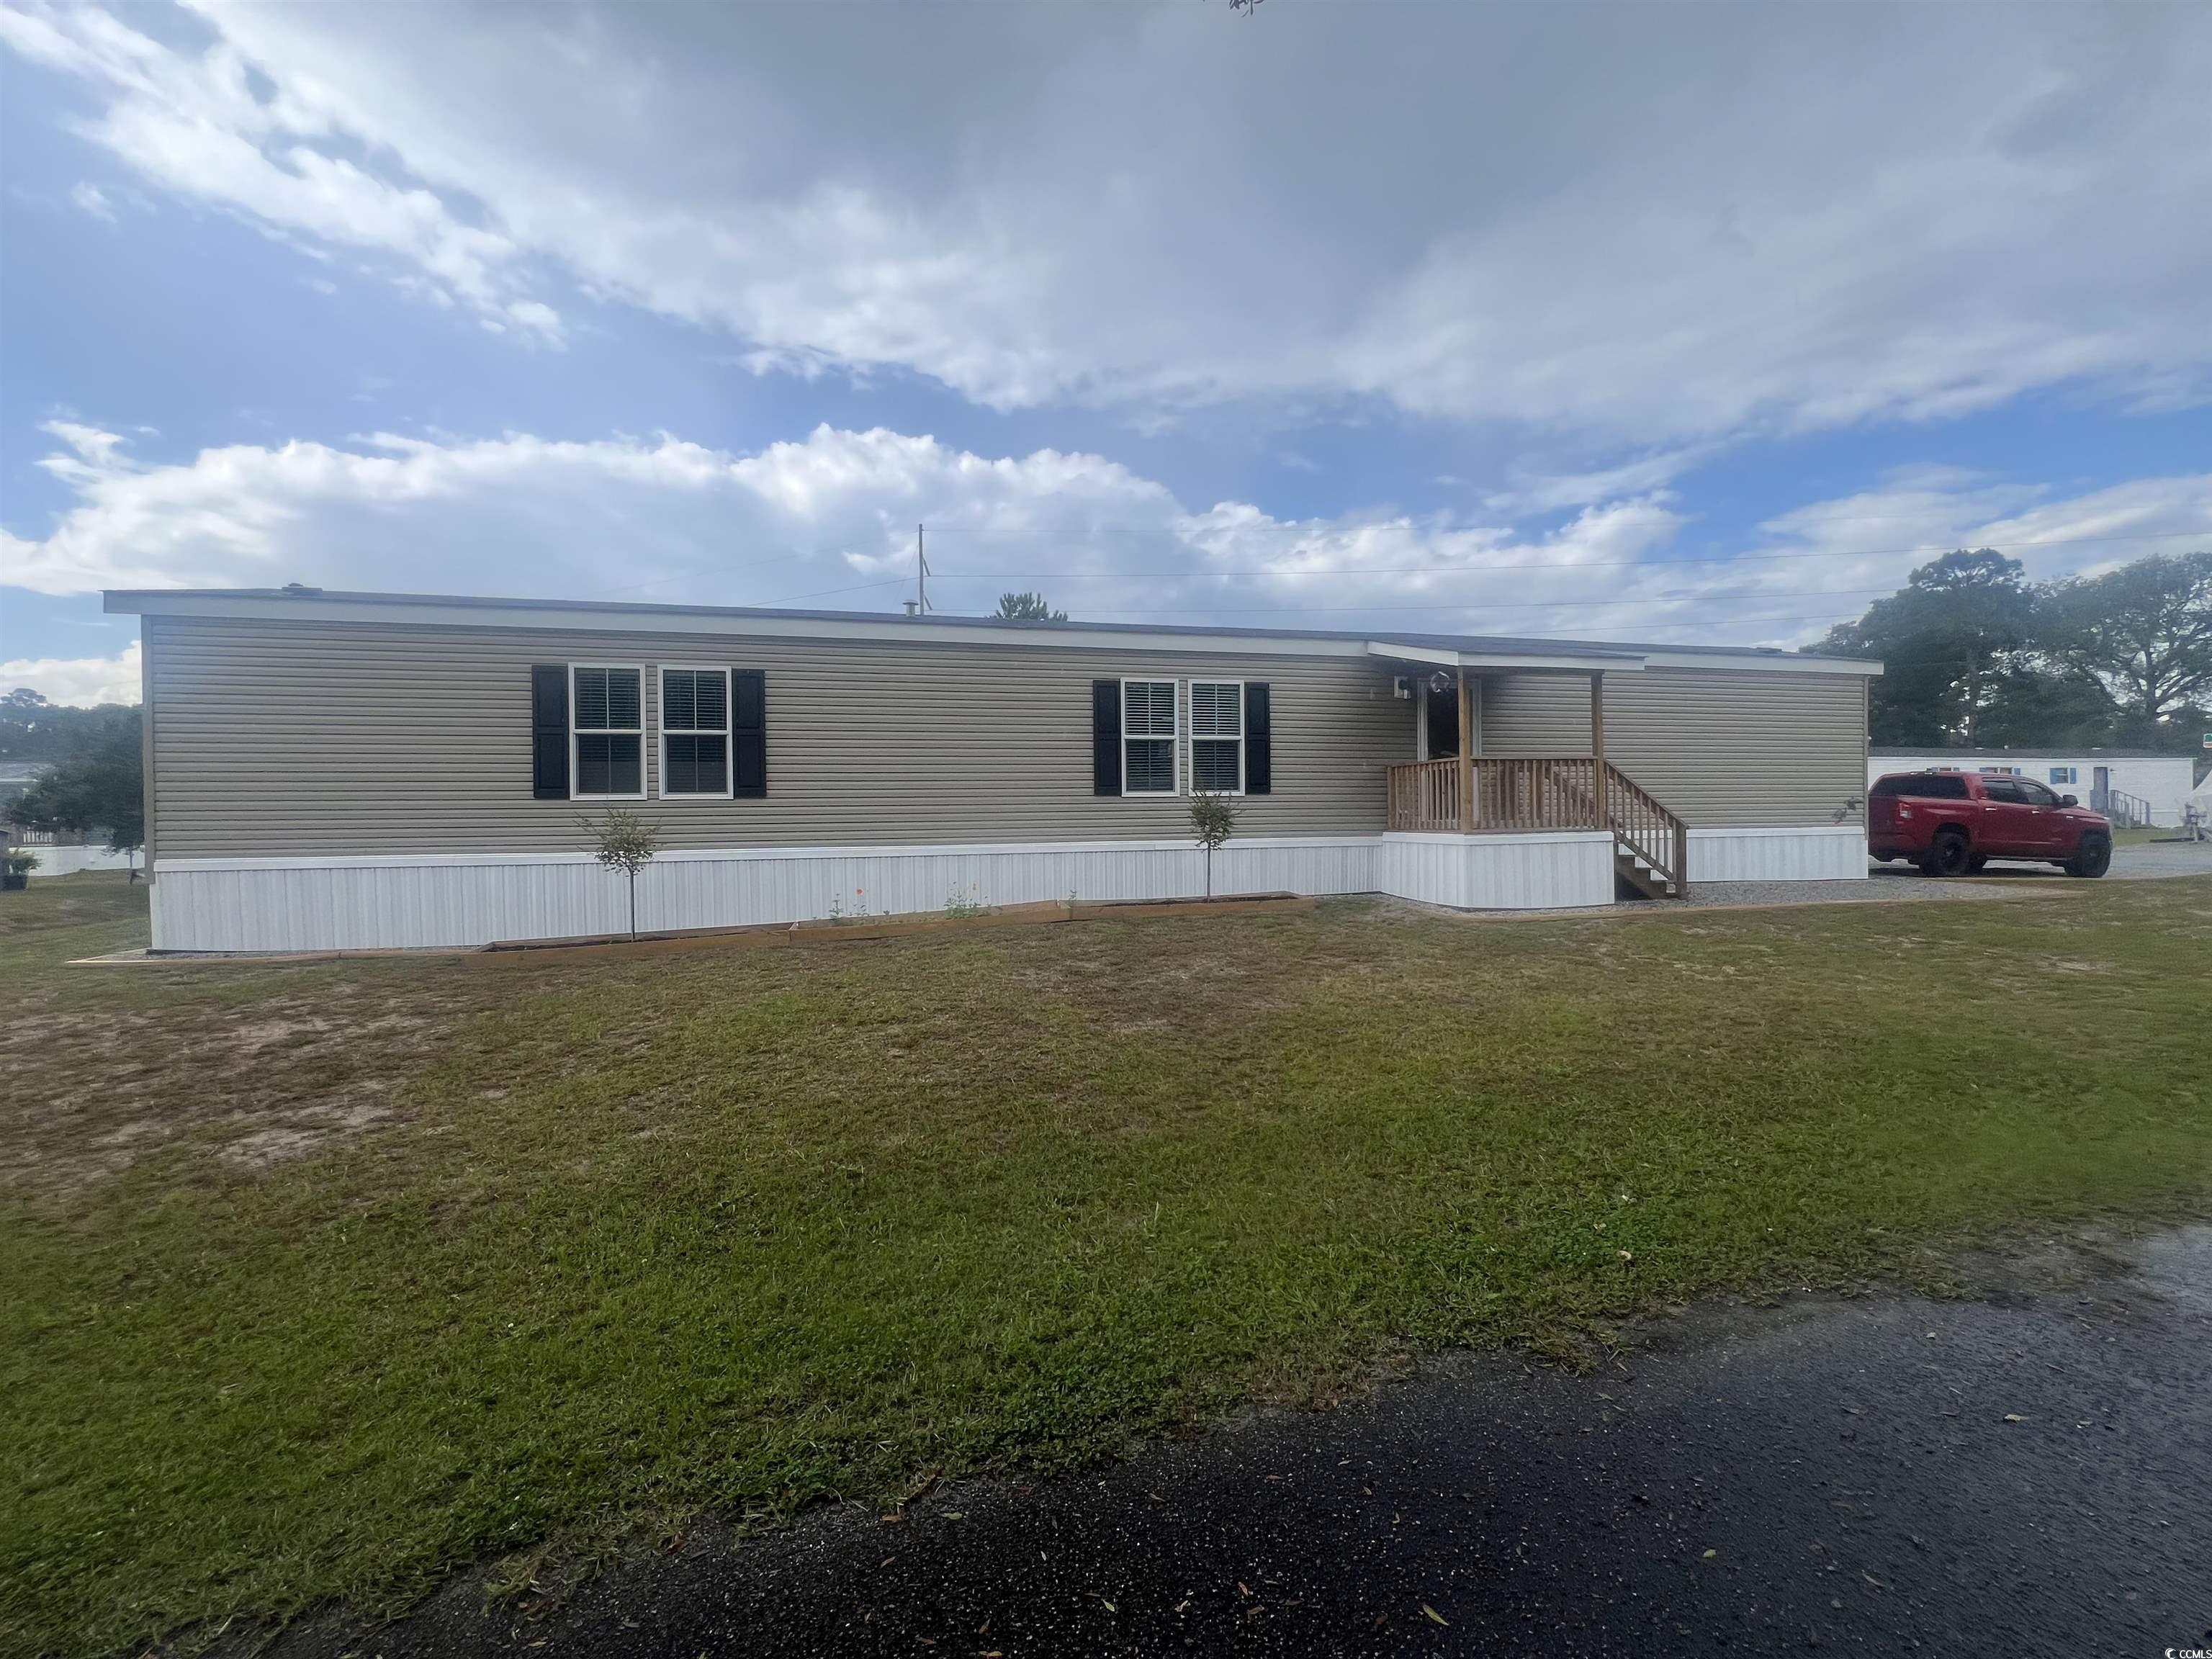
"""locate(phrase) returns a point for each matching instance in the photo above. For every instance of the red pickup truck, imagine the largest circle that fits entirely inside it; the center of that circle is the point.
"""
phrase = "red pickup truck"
(1952, 824)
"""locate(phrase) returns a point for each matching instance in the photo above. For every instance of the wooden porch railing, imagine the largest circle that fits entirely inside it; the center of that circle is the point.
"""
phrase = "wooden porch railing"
(1527, 794)
(1645, 828)
(1425, 797)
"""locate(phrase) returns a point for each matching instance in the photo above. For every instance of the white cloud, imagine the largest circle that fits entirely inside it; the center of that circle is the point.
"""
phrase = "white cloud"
(90, 198)
(1673, 226)
(82, 680)
(1876, 538)
(194, 125)
(828, 521)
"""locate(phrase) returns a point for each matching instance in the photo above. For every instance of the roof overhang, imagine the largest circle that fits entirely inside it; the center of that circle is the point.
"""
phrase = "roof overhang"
(442, 610)
(430, 611)
(1548, 662)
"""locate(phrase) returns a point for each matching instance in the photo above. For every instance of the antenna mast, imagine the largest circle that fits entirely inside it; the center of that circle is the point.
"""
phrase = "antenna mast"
(920, 576)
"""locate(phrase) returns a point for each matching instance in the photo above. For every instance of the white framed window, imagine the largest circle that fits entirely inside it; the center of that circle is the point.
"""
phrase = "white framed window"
(1148, 731)
(2065, 774)
(606, 728)
(1217, 737)
(694, 730)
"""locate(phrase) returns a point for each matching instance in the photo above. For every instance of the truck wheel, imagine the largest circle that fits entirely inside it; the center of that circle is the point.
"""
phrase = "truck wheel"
(1948, 854)
(2092, 858)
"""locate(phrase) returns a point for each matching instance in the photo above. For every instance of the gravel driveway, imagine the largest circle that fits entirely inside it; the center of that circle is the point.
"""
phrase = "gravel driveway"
(1889, 883)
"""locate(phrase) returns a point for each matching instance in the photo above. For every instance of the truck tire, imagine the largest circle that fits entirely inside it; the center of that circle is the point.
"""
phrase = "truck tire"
(2092, 858)
(1948, 854)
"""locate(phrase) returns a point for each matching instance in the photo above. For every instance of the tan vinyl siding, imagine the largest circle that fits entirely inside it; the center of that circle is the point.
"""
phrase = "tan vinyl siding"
(289, 739)
(1720, 749)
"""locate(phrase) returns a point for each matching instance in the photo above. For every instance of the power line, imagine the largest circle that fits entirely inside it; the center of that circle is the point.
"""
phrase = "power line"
(1552, 566)
(1472, 604)
(1375, 570)
(1678, 597)
(1545, 564)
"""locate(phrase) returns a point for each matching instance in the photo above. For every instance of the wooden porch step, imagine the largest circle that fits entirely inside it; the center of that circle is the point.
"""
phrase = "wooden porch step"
(1639, 873)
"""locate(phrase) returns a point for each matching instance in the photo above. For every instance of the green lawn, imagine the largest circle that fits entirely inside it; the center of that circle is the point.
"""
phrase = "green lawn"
(323, 1280)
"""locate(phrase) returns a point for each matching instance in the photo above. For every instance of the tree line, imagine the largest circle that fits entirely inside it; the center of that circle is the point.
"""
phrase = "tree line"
(1975, 655)
(93, 780)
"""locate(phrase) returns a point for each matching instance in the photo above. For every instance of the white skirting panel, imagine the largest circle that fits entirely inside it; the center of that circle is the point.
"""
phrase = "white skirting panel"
(1555, 871)
(382, 904)
(385, 903)
(1828, 851)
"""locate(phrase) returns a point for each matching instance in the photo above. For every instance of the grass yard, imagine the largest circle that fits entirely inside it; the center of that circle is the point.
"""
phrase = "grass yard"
(323, 1280)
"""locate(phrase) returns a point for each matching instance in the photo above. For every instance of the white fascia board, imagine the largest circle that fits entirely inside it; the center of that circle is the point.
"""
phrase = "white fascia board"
(1777, 665)
(1625, 661)
(625, 620)
(1565, 662)
(1414, 654)
(634, 619)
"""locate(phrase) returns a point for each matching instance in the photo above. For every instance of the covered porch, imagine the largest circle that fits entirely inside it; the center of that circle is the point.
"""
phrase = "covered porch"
(1465, 793)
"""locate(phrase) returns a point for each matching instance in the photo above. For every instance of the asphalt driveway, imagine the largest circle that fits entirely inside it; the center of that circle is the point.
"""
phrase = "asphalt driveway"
(2026, 1472)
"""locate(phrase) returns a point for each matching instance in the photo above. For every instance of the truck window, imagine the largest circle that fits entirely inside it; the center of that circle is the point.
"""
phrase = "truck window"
(1935, 785)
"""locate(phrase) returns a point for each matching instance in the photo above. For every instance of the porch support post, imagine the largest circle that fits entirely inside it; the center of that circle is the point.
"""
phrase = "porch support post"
(1597, 749)
(1466, 755)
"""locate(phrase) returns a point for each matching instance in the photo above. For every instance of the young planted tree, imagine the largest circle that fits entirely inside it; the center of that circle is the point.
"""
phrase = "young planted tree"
(1213, 820)
(626, 843)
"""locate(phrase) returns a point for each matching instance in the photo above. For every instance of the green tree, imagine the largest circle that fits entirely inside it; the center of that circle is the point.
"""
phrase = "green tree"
(624, 841)
(2144, 632)
(1027, 607)
(100, 786)
(2033, 704)
(1951, 640)
(33, 729)
(1213, 821)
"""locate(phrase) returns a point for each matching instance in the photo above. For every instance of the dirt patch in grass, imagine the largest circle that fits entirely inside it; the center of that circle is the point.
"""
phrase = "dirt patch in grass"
(203, 1064)
(91, 1094)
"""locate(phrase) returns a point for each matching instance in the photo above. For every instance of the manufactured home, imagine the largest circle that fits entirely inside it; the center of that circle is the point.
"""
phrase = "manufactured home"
(329, 771)
(2135, 787)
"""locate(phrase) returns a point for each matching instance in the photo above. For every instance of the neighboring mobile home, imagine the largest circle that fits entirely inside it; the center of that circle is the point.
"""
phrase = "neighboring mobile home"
(2134, 786)
(347, 770)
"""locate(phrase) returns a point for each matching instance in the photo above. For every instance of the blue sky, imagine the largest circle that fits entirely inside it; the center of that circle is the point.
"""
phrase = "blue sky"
(1658, 323)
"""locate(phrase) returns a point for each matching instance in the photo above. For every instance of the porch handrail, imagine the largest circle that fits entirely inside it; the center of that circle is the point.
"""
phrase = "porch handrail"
(1645, 827)
(1425, 797)
(1526, 793)
(1511, 792)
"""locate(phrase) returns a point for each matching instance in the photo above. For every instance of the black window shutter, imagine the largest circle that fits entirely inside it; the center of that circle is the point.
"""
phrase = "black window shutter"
(549, 731)
(748, 732)
(1258, 749)
(1105, 737)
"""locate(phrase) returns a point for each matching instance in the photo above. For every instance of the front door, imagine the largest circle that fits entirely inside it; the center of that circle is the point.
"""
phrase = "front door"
(2101, 789)
(1441, 709)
